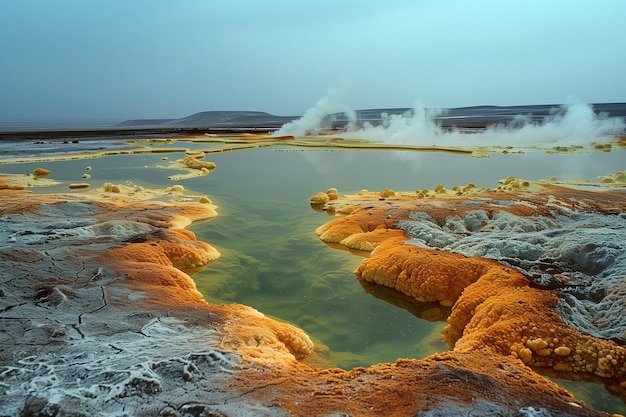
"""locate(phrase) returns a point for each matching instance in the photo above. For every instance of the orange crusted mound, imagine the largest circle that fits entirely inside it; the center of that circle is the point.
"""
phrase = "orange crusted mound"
(495, 309)
(468, 383)
(426, 275)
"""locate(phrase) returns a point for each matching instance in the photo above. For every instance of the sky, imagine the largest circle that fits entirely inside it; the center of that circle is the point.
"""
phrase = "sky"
(129, 59)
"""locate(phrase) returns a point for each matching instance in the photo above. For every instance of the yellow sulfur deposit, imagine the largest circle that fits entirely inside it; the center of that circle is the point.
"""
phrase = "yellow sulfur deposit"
(536, 344)
(562, 351)
(319, 198)
(194, 163)
(332, 193)
(111, 188)
(41, 172)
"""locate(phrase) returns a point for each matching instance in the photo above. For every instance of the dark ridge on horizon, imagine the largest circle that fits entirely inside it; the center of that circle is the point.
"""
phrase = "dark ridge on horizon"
(460, 117)
(144, 122)
(471, 117)
(474, 117)
(217, 119)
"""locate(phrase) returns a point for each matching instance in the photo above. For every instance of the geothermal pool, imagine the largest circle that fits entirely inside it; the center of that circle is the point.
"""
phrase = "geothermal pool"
(273, 261)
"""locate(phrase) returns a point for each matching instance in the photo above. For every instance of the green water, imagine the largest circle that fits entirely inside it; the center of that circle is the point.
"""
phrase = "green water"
(595, 396)
(272, 260)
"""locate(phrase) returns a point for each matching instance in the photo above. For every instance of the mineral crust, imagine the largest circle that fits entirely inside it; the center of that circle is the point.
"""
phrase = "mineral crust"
(99, 316)
(535, 274)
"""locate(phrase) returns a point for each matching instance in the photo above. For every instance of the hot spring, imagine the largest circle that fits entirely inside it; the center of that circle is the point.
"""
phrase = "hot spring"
(273, 261)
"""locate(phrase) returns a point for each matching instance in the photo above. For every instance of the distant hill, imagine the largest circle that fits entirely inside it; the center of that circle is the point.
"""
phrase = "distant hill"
(216, 119)
(144, 122)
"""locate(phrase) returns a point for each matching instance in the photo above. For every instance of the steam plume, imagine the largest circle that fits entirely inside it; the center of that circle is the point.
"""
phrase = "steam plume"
(571, 124)
(316, 118)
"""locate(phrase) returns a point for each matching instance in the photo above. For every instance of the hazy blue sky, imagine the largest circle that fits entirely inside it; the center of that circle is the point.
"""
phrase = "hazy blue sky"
(164, 58)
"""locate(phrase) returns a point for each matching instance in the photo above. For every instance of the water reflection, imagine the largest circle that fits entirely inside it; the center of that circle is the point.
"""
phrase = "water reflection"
(426, 311)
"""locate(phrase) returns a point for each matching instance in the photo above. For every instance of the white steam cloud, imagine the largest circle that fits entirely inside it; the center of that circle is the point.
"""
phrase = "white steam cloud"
(316, 118)
(571, 124)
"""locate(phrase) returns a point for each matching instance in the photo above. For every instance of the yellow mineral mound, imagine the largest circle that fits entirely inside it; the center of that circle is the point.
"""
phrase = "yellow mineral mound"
(41, 172)
(359, 221)
(319, 198)
(367, 241)
(502, 314)
(193, 163)
(111, 188)
(167, 247)
(5, 186)
(79, 186)
(424, 274)
(332, 193)
(324, 197)
(254, 335)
